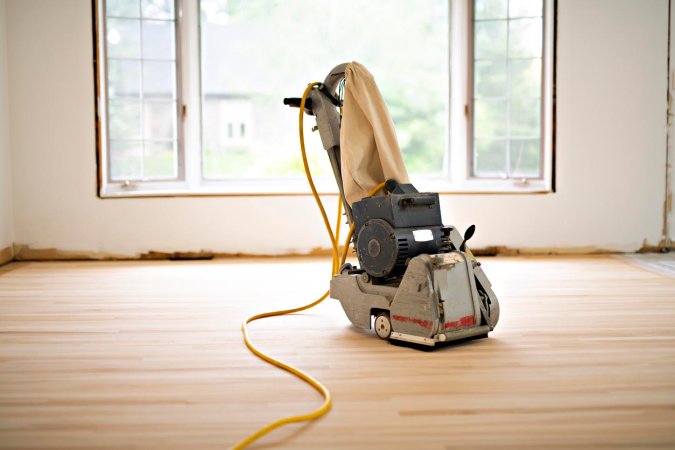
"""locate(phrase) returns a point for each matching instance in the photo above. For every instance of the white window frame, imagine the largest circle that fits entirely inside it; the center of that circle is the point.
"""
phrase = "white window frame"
(460, 178)
(110, 188)
(457, 172)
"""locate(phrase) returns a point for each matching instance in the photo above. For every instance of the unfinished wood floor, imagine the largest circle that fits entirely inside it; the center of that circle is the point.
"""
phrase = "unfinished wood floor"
(118, 355)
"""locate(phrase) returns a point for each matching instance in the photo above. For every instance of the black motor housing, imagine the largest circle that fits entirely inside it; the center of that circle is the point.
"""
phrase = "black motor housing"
(391, 229)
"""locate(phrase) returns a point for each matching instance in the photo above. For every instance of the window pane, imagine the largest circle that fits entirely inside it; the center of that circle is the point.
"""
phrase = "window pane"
(159, 79)
(525, 37)
(158, 39)
(490, 79)
(230, 162)
(124, 119)
(490, 118)
(524, 156)
(490, 9)
(490, 157)
(142, 90)
(159, 120)
(525, 77)
(490, 39)
(525, 8)
(124, 78)
(507, 90)
(157, 9)
(125, 160)
(122, 8)
(124, 38)
(159, 160)
(524, 117)
(257, 52)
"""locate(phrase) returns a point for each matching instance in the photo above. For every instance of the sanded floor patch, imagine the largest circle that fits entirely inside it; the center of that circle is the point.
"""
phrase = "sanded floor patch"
(663, 264)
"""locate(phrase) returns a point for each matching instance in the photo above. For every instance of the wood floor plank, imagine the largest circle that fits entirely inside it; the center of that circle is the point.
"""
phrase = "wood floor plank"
(144, 355)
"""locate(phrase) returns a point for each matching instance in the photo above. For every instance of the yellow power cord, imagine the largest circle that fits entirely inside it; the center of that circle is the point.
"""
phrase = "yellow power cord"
(337, 262)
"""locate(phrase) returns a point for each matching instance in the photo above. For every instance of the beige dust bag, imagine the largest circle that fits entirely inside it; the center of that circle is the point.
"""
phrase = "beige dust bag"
(369, 149)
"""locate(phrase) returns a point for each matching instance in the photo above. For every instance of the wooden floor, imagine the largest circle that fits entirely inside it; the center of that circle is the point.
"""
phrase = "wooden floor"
(135, 355)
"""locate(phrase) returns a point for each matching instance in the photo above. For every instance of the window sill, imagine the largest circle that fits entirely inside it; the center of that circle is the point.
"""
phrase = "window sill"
(484, 186)
(297, 186)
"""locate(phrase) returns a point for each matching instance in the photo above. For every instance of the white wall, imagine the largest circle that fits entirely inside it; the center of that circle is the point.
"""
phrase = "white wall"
(6, 216)
(670, 214)
(611, 148)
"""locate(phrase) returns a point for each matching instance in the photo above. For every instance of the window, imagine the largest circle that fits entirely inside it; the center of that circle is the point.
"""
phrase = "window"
(190, 91)
(278, 47)
(142, 101)
(507, 66)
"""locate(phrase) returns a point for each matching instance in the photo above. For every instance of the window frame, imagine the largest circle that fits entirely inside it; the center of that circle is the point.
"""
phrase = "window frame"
(544, 182)
(457, 174)
(102, 108)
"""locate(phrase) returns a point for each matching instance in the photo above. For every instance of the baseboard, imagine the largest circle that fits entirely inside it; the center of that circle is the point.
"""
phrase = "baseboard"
(26, 253)
(542, 251)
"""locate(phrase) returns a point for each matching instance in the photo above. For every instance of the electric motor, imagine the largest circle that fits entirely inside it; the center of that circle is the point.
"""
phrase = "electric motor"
(383, 250)
(391, 229)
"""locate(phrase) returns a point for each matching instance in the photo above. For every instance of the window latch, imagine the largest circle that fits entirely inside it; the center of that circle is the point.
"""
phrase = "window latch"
(128, 185)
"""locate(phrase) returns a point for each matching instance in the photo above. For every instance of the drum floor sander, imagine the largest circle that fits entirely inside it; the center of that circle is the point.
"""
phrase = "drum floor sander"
(416, 280)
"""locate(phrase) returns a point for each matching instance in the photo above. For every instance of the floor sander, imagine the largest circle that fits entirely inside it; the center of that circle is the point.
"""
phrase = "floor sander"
(416, 280)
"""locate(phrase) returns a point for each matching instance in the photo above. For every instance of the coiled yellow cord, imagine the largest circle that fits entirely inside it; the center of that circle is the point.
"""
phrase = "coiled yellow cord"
(337, 261)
